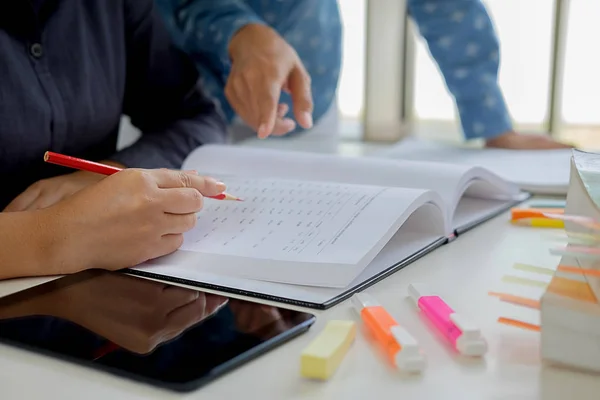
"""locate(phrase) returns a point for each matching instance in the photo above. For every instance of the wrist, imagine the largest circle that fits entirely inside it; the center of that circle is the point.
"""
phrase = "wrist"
(28, 245)
(54, 245)
(248, 33)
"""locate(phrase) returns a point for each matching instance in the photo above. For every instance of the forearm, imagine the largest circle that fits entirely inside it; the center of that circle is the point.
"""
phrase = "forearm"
(26, 245)
(462, 40)
(207, 26)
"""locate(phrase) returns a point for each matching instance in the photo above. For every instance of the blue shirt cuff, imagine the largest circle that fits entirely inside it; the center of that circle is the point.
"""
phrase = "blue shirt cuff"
(484, 117)
(217, 35)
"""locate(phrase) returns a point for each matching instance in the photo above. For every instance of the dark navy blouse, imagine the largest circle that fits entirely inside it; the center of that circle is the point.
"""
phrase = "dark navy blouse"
(69, 70)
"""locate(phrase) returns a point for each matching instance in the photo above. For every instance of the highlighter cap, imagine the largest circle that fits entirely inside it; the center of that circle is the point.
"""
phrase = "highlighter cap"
(471, 347)
(363, 300)
(471, 342)
(409, 358)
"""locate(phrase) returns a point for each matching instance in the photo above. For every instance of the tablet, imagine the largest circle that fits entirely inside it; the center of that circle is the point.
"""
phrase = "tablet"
(164, 335)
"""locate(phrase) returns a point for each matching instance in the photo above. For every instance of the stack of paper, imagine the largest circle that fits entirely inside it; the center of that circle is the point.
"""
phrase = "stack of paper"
(570, 311)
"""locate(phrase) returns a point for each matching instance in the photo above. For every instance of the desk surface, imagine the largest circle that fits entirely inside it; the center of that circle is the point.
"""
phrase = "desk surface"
(463, 272)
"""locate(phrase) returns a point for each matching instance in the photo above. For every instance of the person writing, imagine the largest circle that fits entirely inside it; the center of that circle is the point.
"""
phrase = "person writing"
(261, 58)
(70, 70)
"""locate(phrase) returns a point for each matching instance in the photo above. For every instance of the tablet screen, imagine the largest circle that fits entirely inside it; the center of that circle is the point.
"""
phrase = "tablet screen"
(165, 335)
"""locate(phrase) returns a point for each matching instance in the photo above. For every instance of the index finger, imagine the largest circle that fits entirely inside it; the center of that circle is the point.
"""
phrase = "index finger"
(268, 101)
(301, 92)
(170, 179)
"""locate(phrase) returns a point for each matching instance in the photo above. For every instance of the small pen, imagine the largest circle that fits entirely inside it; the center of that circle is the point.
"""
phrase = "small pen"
(464, 336)
(399, 345)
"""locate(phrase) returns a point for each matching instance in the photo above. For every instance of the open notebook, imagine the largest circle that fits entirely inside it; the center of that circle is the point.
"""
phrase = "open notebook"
(536, 171)
(313, 228)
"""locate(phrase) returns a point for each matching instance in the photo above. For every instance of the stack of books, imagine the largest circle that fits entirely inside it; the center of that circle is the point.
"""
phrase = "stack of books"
(569, 307)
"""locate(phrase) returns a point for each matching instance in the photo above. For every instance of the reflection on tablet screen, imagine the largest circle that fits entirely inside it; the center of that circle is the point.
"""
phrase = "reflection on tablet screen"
(166, 335)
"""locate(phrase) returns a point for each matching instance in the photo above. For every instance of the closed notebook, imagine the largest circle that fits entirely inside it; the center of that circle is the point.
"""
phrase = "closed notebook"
(536, 171)
(313, 228)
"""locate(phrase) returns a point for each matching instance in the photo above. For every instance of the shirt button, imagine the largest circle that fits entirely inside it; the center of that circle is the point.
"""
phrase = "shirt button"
(36, 50)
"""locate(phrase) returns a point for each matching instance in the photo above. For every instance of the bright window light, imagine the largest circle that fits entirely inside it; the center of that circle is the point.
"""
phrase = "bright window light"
(525, 32)
(350, 95)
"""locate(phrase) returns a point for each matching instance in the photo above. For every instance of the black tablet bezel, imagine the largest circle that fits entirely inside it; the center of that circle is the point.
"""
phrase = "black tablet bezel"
(182, 387)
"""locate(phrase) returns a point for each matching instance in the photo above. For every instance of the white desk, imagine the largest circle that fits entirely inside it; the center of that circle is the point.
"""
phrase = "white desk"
(463, 271)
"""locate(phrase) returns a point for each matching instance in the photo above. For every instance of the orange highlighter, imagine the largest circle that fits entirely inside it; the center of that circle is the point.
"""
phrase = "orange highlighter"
(399, 345)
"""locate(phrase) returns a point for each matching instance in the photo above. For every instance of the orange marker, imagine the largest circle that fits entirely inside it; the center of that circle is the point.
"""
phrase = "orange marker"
(399, 345)
(521, 213)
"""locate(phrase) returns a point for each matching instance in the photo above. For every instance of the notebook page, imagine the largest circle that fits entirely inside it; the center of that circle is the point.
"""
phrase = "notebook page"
(292, 221)
(229, 160)
(299, 232)
(404, 244)
(484, 195)
(537, 171)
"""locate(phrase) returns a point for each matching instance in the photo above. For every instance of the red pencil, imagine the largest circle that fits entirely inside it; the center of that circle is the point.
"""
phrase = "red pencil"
(91, 166)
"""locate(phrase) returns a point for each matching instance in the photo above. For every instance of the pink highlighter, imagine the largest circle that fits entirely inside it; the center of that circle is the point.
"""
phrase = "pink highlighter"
(462, 335)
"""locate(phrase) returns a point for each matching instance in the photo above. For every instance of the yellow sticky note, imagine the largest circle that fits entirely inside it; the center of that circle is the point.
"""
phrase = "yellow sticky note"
(321, 358)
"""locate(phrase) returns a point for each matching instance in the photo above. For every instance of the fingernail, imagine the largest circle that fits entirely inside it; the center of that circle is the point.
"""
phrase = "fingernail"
(308, 119)
(291, 124)
(191, 171)
(221, 186)
(262, 131)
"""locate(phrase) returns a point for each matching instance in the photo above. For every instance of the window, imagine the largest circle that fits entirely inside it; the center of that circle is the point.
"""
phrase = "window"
(350, 96)
(548, 71)
(525, 30)
(581, 82)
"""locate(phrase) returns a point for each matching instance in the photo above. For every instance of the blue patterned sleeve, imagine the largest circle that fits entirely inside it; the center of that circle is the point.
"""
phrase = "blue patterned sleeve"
(461, 38)
(207, 26)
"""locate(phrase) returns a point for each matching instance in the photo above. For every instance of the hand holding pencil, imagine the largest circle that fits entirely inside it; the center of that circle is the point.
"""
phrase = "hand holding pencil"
(117, 221)
(47, 192)
(103, 169)
(125, 219)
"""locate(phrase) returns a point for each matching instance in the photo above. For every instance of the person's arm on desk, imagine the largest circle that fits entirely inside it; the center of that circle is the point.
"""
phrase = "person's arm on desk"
(125, 219)
(462, 40)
